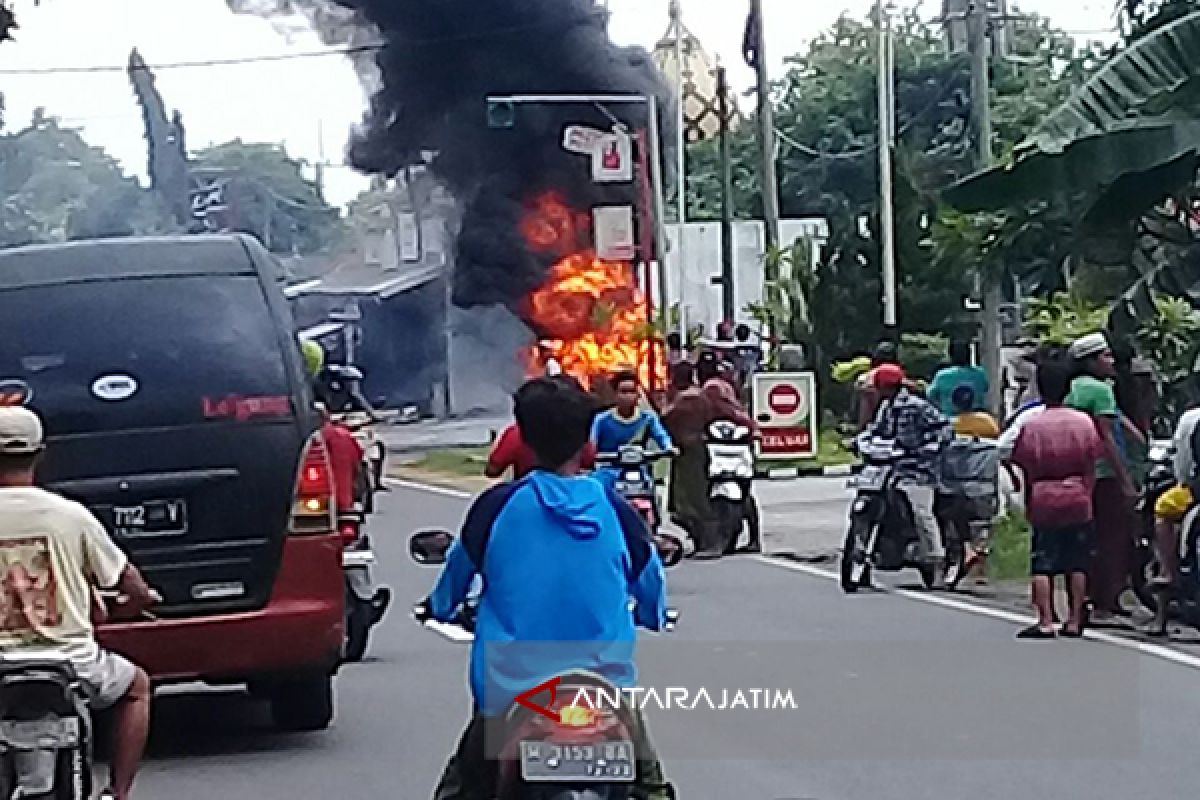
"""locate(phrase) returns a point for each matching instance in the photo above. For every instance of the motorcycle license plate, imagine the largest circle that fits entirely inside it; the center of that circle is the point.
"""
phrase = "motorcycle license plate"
(626, 488)
(605, 762)
(36, 734)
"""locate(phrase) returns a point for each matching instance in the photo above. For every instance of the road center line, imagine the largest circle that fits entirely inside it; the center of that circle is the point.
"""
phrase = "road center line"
(458, 494)
(956, 604)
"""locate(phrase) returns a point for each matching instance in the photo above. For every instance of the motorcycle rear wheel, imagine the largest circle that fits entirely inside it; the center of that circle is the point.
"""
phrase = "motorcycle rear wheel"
(359, 616)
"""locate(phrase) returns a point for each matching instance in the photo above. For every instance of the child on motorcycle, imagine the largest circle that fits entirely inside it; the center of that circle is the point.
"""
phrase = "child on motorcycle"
(625, 423)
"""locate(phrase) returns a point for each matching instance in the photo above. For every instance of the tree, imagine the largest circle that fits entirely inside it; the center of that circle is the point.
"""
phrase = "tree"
(54, 186)
(825, 108)
(269, 196)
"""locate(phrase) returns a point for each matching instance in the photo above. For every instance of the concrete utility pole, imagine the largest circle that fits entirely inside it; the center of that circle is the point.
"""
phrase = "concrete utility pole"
(887, 220)
(769, 183)
(727, 290)
(978, 22)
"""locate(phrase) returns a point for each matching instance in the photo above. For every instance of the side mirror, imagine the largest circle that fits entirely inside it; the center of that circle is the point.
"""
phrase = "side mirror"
(670, 549)
(430, 546)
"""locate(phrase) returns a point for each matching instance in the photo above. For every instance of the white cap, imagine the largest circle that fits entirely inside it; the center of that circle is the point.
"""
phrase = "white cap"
(20, 431)
(1087, 346)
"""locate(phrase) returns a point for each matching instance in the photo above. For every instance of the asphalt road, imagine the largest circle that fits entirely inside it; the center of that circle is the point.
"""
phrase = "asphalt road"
(895, 698)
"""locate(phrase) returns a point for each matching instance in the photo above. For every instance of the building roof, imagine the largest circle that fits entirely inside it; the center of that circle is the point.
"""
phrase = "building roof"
(360, 279)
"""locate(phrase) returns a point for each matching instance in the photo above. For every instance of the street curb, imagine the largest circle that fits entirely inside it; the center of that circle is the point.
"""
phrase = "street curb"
(791, 473)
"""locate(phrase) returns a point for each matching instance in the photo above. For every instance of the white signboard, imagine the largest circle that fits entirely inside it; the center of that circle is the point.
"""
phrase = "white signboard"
(785, 407)
(612, 159)
(581, 139)
(613, 226)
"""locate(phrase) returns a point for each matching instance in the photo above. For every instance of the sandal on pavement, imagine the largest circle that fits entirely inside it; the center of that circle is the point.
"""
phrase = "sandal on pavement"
(1036, 632)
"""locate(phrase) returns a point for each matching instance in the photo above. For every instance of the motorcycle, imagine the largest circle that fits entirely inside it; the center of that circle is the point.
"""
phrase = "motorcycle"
(45, 731)
(635, 481)
(1160, 477)
(370, 477)
(730, 480)
(365, 602)
(570, 750)
(882, 533)
(967, 501)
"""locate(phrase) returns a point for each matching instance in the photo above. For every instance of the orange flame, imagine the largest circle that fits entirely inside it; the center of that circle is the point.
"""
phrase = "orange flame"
(592, 316)
(590, 313)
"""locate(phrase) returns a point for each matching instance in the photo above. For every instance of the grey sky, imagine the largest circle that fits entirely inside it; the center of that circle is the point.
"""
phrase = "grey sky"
(291, 101)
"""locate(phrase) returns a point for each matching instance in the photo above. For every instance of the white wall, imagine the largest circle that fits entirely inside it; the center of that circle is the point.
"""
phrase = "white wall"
(694, 289)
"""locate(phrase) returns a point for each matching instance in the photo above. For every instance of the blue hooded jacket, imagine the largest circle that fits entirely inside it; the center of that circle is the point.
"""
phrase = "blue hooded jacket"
(568, 570)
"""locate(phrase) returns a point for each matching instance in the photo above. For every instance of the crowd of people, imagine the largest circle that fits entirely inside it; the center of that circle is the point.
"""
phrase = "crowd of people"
(1075, 449)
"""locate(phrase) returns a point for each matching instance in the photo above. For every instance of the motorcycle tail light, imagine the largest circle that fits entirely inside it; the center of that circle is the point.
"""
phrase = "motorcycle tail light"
(349, 532)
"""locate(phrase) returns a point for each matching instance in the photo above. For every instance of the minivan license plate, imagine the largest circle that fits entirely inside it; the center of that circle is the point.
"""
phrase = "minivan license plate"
(153, 517)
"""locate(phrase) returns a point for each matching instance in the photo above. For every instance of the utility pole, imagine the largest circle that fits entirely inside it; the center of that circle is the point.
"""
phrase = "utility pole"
(887, 220)
(676, 11)
(727, 296)
(766, 143)
(978, 22)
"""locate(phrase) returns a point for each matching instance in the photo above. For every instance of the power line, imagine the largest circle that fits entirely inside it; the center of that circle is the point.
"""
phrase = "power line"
(214, 62)
(352, 50)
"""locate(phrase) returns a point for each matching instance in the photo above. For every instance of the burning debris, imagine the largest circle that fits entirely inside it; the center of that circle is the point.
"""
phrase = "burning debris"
(438, 63)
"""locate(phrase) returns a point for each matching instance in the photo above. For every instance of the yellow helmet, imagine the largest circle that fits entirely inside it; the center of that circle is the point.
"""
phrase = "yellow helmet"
(314, 356)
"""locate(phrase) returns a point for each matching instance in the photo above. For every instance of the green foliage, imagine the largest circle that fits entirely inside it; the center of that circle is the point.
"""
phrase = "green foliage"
(55, 187)
(1171, 339)
(271, 198)
(1063, 317)
(921, 353)
(1012, 537)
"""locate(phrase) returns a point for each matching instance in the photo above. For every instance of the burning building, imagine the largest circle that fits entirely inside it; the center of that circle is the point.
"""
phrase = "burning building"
(526, 236)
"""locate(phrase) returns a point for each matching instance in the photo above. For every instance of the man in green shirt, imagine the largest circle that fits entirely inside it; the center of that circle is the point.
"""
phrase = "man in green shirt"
(1113, 498)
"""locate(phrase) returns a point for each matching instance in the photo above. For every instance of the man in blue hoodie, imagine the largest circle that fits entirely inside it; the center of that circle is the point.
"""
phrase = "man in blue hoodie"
(562, 559)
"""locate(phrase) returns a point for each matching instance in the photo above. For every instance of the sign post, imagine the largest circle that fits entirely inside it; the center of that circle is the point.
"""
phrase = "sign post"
(785, 407)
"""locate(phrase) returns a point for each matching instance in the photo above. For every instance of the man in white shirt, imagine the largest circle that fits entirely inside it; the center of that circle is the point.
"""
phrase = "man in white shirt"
(1169, 511)
(54, 556)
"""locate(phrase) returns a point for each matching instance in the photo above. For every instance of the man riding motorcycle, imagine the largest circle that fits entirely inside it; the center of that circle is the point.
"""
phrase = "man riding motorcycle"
(912, 425)
(561, 557)
(1169, 511)
(56, 556)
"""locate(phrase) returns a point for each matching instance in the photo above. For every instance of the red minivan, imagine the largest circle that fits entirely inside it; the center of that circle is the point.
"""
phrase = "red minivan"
(177, 408)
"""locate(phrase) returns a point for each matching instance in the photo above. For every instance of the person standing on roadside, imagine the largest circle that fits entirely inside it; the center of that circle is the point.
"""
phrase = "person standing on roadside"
(961, 373)
(1114, 491)
(1058, 451)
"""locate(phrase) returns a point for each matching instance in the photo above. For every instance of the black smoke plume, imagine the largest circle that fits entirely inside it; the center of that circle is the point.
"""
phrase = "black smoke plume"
(440, 60)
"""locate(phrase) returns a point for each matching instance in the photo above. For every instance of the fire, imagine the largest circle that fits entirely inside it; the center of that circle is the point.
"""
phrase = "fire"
(593, 316)
(590, 312)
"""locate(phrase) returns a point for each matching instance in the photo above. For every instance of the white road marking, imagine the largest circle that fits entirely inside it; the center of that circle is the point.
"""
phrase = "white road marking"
(426, 487)
(1145, 648)
(457, 634)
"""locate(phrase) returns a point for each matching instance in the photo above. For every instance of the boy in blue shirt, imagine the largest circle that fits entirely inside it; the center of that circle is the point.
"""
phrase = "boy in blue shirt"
(626, 424)
(561, 558)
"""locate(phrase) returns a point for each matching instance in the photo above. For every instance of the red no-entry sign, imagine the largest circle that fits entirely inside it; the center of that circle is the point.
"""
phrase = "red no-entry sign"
(784, 399)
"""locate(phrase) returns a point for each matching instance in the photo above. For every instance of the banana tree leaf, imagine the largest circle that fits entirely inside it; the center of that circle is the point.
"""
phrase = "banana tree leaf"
(1137, 304)
(1135, 114)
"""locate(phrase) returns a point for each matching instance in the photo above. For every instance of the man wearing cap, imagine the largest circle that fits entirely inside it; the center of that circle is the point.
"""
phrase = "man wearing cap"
(54, 555)
(914, 426)
(1092, 393)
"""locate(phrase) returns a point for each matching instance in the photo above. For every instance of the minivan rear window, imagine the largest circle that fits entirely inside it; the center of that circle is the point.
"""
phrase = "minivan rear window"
(145, 352)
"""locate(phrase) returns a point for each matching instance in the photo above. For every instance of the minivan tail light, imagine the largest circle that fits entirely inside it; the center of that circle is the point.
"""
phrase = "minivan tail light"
(312, 505)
